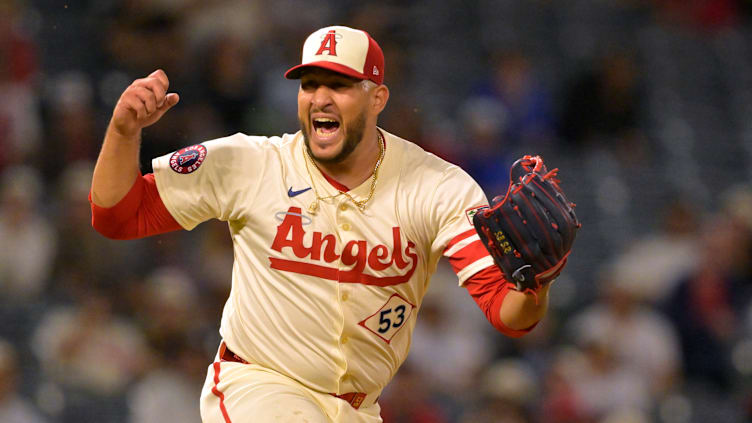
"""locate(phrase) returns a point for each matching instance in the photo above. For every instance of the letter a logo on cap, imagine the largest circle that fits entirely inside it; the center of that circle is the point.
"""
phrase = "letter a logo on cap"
(329, 43)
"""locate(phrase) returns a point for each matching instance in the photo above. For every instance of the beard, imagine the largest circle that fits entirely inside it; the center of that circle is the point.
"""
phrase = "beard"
(353, 137)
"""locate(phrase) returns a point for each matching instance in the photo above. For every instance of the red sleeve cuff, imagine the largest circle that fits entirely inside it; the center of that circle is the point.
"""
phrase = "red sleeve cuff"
(489, 288)
(139, 214)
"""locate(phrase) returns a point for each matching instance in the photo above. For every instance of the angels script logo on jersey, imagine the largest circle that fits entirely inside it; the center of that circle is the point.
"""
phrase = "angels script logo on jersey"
(356, 253)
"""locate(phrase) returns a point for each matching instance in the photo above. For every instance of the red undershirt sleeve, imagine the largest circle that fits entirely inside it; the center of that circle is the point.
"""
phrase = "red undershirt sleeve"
(489, 288)
(139, 214)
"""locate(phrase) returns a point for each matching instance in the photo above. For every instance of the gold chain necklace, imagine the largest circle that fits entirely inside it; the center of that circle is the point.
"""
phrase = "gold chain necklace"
(361, 205)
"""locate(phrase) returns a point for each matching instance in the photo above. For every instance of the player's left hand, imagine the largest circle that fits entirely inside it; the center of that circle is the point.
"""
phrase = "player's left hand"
(529, 231)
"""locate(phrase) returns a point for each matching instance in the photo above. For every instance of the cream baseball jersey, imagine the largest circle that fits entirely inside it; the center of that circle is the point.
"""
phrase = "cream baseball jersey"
(329, 299)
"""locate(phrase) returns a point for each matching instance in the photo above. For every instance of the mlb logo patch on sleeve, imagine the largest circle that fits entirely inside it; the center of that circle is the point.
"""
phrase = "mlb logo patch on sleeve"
(188, 159)
(472, 211)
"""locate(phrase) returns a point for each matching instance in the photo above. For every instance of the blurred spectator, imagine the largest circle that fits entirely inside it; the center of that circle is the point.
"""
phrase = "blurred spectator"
(408, 399)
(229, 82)
(463, 351)
(488, 154)
(402, 117)
(169, 392)
(638, 338)
(702, 14)
(508, 112)
(28, 237)
(707, 305)
(72, 133)
(215, 269)
(601, 106)
(85, 347)
(452, 331)
(136, 24)
(736, 203)
(85, 258)
(20, 125)
(13, 407)
(508, 391)
(168, 308)
(528, 118)
(18, 59)
(604, 385)
(560, 402)
(653, 264)
(628, 415)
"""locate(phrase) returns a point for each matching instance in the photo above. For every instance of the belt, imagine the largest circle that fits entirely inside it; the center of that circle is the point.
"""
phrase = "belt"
(225, 354)
(355, 399)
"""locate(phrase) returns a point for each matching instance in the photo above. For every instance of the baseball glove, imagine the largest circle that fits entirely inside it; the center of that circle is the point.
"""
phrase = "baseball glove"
(530, 230)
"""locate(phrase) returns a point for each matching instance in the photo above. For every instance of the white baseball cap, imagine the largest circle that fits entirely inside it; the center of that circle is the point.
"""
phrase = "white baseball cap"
(349, 51)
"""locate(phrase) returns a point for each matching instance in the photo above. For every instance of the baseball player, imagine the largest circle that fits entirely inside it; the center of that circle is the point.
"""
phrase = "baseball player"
(336, 228)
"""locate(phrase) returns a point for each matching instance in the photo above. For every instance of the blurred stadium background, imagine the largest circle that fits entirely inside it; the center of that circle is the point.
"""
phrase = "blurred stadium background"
(645, 106)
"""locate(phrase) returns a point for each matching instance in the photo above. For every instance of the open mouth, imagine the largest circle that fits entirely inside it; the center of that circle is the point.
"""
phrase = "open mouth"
(325, 127)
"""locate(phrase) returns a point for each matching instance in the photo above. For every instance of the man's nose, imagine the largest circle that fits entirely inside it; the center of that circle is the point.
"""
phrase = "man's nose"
(321, 97)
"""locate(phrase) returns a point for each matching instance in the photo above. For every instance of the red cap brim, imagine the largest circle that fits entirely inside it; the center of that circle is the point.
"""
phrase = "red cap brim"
(296, 71)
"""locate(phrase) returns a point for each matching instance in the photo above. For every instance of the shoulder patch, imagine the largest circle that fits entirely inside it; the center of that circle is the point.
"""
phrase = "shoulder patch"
(472, 211)
(188, 159)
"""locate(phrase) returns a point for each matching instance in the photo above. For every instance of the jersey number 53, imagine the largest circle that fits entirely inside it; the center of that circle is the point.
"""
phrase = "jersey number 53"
(390, 318)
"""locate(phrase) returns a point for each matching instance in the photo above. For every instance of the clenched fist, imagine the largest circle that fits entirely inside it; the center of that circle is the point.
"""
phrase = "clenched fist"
(143, 103)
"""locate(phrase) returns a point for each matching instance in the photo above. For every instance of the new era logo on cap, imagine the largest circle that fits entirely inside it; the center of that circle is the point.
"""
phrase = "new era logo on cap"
(345, 50)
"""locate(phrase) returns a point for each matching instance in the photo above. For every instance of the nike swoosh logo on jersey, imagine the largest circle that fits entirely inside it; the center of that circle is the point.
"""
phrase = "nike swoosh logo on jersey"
(291, 193)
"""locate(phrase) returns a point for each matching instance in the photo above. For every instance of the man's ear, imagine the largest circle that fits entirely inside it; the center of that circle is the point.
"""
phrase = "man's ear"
(380, 96)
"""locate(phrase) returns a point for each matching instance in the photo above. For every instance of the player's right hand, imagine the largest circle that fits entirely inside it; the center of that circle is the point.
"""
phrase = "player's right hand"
(143, 103)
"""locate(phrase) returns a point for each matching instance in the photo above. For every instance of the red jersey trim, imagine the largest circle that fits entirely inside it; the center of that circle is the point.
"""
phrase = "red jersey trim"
(467, 255)
(464, 235)
(219, 394)
(334, 183)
